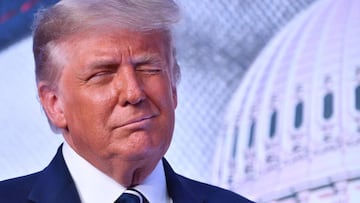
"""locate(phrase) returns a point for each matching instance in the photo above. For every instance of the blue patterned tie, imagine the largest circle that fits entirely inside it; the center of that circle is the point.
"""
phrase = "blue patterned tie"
(131, 196)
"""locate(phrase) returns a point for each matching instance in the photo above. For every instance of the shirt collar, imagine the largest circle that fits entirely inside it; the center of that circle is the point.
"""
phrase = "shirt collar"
(94, 186)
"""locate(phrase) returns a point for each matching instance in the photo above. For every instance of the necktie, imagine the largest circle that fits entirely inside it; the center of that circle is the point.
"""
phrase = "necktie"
(131, 196)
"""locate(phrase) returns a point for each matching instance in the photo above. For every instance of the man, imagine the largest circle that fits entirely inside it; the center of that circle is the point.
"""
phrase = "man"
(106, 77)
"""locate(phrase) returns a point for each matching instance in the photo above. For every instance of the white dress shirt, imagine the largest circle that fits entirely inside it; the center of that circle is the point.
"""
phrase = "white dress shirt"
(94, 186)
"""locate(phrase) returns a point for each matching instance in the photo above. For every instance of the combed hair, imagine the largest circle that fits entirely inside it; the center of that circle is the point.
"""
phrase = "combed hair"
(69, 17)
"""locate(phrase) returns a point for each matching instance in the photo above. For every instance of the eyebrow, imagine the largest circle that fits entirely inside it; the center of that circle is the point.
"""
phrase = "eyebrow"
(141, 59)
(147, 58)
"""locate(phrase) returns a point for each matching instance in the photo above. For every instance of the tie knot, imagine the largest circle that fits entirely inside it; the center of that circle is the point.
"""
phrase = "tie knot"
(131, 196)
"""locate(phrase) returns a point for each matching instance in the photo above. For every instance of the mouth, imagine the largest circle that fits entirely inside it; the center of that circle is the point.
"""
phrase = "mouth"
(137, 121)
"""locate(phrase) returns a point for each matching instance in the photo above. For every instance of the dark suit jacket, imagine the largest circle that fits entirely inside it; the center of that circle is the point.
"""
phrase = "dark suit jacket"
(55, 185)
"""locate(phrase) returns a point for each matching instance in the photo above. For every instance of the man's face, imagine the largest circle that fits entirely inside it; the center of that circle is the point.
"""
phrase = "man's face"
(115, 97)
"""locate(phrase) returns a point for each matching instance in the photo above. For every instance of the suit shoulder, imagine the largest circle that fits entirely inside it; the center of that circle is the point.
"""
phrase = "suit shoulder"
(212, 193)
(15, 189)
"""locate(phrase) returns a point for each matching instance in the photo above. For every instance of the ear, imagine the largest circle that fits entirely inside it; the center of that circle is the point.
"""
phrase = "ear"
(52, 104)
(174, 96)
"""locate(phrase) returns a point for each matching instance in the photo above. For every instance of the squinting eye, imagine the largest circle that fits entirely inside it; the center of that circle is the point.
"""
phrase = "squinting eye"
(101, 74)
(149, 70)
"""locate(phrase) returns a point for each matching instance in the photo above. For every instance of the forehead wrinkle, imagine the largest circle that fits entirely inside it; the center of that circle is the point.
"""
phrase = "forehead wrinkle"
(104, 56)
(142, 54)
(103, 61)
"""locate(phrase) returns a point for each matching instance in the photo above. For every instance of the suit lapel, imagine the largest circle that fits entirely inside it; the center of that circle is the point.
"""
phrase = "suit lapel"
(179, 191)
(55, 184)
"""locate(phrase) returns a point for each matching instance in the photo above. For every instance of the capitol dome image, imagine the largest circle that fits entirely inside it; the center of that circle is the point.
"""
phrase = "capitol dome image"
(292, 129)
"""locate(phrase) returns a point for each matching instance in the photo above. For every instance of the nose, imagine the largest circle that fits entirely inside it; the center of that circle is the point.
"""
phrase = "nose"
(130, 87)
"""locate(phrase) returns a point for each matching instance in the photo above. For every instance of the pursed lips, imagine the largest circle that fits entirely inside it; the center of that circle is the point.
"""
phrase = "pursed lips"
(137, 119)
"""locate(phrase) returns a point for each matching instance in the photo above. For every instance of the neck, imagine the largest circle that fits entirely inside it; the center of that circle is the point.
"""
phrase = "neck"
(127, 173)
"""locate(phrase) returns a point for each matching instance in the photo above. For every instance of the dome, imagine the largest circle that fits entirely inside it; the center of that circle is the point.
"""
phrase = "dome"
(292, 129)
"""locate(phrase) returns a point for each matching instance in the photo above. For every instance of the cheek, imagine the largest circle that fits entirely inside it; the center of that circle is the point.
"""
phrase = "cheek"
(168, 119)
(98, 100)
(164, 93)
(88, 112)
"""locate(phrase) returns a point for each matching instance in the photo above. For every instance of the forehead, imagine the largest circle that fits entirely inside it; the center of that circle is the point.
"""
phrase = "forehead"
(117, 42)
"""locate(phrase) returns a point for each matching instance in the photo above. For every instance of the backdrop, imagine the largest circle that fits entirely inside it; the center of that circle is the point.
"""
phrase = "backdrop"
(217, 42)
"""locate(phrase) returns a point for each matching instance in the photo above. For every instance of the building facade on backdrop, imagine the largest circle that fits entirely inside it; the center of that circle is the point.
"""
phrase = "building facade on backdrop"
(292, 131)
